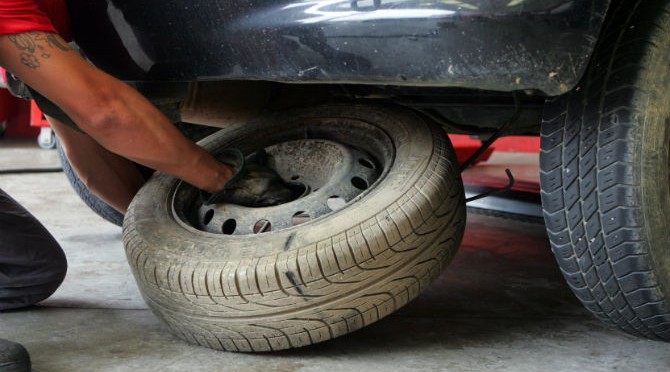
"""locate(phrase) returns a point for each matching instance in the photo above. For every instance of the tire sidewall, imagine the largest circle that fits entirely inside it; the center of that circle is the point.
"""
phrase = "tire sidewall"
(654, 160)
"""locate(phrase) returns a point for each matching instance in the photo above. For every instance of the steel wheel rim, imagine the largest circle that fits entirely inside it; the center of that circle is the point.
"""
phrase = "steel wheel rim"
(355, 173)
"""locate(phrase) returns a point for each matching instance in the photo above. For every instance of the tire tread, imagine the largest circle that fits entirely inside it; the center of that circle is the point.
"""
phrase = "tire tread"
(595, 229)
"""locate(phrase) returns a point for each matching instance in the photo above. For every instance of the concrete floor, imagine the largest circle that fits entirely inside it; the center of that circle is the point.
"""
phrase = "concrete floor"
(501, 305)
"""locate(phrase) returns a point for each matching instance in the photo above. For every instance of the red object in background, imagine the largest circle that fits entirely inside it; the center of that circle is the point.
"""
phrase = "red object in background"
(7, 105)
(22, 117)
(518, 144)
(36, 117)
(465, 146)
(17, 114)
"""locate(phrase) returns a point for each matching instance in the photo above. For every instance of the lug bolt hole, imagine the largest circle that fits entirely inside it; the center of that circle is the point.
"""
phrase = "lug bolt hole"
(207, 218)
(300, 218)
(359, 183)
(229, 227)
(262, 226)
(366, 163)
(335, 202)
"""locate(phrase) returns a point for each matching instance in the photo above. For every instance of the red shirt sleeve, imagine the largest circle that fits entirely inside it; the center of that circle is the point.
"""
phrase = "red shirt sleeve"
(17, 16)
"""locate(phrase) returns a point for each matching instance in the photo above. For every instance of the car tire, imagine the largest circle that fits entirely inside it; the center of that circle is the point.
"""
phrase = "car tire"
(605, 166)
(96, 204)
(319, 280)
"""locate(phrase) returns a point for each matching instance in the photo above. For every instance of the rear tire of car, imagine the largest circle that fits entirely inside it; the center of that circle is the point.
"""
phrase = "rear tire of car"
(96, 204)
(605, 165)
(318, 280)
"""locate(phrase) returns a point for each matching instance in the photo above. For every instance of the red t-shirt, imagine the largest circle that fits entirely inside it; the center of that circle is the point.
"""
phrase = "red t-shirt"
(17, 16)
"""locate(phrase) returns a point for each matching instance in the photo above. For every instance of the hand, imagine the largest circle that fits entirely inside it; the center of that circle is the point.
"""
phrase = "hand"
(254, 183)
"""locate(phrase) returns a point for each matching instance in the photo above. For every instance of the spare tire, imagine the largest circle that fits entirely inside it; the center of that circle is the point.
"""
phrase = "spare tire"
(382, 213)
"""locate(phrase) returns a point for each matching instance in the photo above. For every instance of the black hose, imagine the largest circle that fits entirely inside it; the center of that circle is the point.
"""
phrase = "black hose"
(30, 170)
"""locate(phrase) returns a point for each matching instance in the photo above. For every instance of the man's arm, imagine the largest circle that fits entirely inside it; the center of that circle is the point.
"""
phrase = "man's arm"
(111, 177)
(110, 111)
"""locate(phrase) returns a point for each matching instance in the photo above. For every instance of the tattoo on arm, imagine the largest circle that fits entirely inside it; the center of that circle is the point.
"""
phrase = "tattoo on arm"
(35, 46)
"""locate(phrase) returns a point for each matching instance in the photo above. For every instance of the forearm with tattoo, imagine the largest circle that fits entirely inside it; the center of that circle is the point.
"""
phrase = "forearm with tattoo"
(34, 46)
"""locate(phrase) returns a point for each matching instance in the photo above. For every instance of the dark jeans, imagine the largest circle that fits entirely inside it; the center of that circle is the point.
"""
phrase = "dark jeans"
(32, 264)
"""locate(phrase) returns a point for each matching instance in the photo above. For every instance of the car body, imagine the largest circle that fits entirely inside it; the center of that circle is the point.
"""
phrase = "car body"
(400, 48)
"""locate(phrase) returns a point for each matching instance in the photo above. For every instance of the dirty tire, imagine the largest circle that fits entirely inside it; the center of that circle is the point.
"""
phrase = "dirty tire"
(604, 174)
(313, 282)
(96, 204)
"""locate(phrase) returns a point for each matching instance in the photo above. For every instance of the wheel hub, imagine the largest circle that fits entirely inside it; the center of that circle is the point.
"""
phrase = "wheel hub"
(330, 174)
